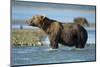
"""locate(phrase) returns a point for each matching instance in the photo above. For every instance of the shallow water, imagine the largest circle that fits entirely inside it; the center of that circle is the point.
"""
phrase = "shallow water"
(44, 54)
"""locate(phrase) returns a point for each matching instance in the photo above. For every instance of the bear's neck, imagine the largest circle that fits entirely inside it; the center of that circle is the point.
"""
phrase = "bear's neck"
(46, 24)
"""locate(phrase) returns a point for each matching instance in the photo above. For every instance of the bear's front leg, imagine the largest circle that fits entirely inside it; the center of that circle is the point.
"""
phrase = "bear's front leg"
(54, 41)
(54, 44)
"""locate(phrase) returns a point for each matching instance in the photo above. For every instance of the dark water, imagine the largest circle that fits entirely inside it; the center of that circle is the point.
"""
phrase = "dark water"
(44, 55)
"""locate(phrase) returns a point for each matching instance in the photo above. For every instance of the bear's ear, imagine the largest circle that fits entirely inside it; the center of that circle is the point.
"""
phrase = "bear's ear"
(43, 17)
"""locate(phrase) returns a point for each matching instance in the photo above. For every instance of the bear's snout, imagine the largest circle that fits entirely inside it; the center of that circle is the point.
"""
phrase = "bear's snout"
(30, 23)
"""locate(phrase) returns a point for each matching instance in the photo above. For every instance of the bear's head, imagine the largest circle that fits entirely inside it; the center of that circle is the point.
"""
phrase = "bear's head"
(36, 20)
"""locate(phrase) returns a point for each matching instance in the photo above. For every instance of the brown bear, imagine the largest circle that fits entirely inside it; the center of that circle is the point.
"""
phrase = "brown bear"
(73, 35)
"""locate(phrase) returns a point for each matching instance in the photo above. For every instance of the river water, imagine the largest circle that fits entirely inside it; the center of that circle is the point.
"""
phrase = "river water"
(45, 55)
